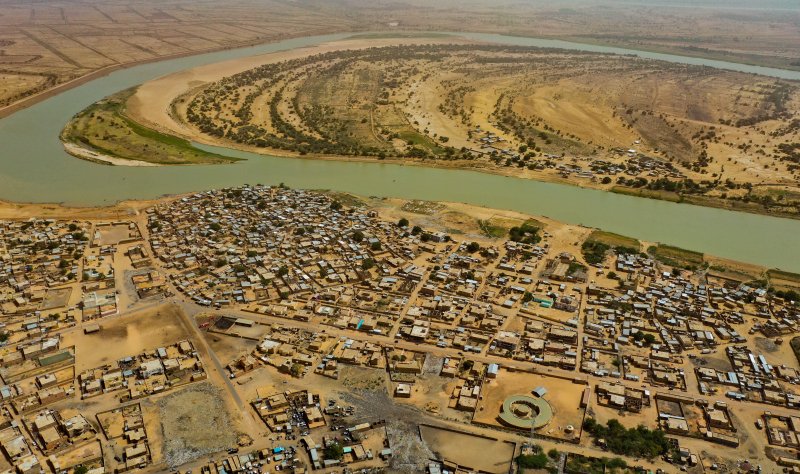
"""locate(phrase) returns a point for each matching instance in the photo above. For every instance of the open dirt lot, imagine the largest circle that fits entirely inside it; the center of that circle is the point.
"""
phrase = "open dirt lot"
(467, 450)
(195, 422)
(563, 396)
(127, 335)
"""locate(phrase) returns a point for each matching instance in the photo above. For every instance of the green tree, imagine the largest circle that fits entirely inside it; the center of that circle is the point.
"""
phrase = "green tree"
(296, 370)
(403, 222)
(375, 246)
(532, 461)
(473, 247)
(334, 451)
(527, 296)
(358, 236)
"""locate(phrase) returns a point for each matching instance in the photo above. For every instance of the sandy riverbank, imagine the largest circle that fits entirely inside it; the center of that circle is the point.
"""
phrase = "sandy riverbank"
(86, 154)
(120, 210)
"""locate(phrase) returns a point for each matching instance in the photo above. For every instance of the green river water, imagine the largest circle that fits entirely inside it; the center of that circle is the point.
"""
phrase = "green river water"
(35, 168)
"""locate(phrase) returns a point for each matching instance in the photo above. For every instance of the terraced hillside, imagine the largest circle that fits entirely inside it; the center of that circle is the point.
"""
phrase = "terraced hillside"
(623, 123)
(618, 123)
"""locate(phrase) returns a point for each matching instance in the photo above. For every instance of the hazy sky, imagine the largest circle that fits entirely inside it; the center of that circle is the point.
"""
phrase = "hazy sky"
(747, 4)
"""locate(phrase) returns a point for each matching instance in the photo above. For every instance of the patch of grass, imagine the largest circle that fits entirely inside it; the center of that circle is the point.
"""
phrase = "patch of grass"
(640, 441)
(783, 276)
(614, 240)
(795, 343)
(104, 128)
(491, 230)
(677, 257)
(346, 199)
(647, 193)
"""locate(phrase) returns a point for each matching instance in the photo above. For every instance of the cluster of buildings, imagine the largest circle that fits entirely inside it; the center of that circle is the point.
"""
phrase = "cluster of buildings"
(328, 441)
(146, 373)
(125, 427)
(316, 286)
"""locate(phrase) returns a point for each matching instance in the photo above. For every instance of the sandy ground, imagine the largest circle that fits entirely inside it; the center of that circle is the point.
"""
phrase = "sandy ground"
(471, 451)
(121, 210)
(126, 336)
(90, 155)
(563, 396)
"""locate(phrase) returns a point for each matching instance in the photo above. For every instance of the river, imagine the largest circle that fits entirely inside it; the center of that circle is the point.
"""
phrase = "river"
(35, 168)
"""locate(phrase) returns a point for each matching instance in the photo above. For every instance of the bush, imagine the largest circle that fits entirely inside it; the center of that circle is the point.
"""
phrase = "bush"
(334, 451)
(594, 252)
(636, 442)
(402, 222)
(532, 461)
(525, 233)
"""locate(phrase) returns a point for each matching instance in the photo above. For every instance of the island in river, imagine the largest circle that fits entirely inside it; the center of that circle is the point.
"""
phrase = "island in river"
(627, 125)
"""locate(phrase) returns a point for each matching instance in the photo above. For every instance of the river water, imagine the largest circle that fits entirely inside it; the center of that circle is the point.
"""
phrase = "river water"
(35, 168)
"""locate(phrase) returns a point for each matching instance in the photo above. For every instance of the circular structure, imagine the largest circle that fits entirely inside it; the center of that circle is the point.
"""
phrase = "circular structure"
(525, 412)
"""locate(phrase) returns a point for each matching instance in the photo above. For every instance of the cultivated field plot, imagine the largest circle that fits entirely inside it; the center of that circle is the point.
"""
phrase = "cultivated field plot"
(47, 44)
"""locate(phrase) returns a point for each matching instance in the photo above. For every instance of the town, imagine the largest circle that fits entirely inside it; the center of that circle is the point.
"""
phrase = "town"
(315, 334)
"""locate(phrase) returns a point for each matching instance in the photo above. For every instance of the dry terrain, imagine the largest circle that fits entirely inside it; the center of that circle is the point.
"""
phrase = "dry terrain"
(50, 44)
